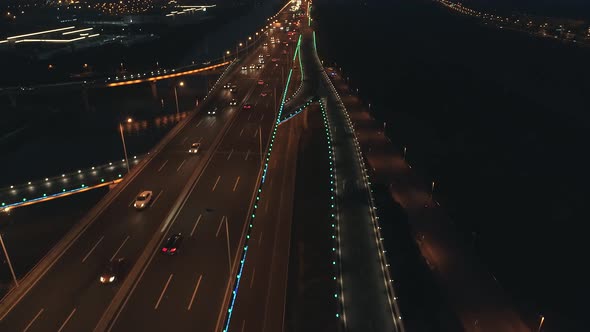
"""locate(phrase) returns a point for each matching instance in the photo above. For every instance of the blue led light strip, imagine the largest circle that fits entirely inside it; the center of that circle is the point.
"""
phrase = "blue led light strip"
(234, 293)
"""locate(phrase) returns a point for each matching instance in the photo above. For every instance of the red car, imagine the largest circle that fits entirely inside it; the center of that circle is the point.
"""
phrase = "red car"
(260, 82)
(247, 106)
(274, 59)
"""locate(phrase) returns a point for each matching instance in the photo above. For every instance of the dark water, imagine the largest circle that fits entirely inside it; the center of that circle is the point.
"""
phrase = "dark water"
(499, 120)
(57, 135)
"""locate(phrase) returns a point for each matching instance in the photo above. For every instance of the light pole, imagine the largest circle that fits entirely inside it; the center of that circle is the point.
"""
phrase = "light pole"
(129, 120)
(181, 84)
(224, 54)
(260, 136)
(541, 323)
(432, 189)
(228, 248)
(249, 39)
(238, 49)
(405, 150)
(9, 263)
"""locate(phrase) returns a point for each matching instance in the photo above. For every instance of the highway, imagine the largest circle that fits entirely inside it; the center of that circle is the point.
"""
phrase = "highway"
(191, 288)
(69, 297)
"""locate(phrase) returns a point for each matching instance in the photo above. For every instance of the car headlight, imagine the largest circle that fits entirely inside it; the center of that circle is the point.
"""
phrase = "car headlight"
(111, 279)
(102, 279)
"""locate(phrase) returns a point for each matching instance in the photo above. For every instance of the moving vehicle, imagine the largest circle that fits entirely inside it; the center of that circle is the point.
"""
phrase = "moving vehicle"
(113, 271)
(260, 82)
(212, 111)
(194, 148)
(233, 102)
(247, 106)
(244, 67)
(227, 85)
(143, 200)
(233, 88)
(172, 243)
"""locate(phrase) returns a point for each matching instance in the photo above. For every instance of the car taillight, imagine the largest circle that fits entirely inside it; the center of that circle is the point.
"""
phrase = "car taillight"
(173, 250)
(164, 249)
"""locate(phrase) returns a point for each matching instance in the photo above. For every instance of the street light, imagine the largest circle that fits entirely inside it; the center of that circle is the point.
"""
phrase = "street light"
(541, 323)
(8, 260)
(129, 120)
(181, 84)
(224, 54)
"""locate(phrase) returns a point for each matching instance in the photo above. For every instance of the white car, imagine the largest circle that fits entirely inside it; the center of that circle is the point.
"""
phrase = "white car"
(143, 200)
(194, 148)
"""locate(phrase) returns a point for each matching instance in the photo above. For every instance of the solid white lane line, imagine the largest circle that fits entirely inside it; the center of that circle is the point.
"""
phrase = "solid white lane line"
(219, 228)
(34, 319)
(121, 246)
(242, 131)
(194, 292)
(67, 320)
(198, 124)
(216, 181)
(253, 274)
(91, 250)
(247, 153)
(155, 200)
(164, 164)
(196, 223)
(163, 291)
(229, 156)
(236, 185)
(260, 238)
(184, 140)
(182, 163)
(262, 117)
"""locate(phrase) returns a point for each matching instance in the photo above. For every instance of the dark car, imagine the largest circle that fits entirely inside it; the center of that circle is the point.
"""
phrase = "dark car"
(233, 88)
(113, 271)
(171, 245)
(247, 106)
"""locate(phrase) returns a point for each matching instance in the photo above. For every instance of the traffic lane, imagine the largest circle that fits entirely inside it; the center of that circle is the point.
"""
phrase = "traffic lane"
(93, 251)
(56, 276)
(261, 298)
(191, 221)
(214, 184)
(206, 247)
(188, 221)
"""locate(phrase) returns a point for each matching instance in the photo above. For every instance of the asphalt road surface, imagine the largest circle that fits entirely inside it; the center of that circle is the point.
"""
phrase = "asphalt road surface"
(69, 297)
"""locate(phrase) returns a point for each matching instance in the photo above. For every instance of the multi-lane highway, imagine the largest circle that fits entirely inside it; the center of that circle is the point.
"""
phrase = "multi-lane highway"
(69, 297)
(191, 287)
